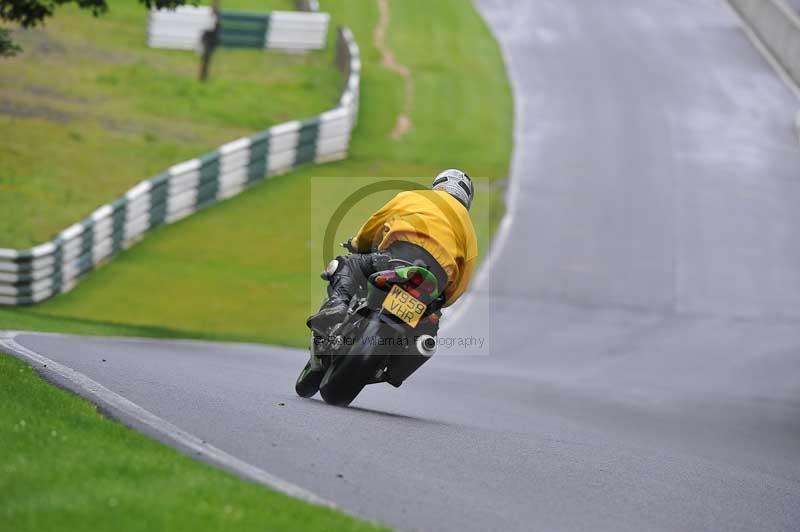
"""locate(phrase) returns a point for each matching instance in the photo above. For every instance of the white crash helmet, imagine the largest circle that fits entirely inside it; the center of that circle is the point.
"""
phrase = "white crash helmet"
(456, 183)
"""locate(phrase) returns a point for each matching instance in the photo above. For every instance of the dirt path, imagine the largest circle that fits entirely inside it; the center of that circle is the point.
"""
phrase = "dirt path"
(388, 61)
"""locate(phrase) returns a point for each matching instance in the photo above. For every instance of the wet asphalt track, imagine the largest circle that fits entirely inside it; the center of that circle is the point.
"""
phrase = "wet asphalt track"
(641, 311)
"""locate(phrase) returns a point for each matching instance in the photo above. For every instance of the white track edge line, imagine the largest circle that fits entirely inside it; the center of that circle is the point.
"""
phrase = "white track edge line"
(770, 58)
(149, 339)
(102, 396)
(764, 50)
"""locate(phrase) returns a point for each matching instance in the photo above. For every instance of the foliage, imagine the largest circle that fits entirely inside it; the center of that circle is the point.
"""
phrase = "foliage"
(7, 46)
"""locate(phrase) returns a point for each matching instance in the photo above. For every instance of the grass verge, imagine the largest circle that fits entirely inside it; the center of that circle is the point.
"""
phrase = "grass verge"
(66, 467)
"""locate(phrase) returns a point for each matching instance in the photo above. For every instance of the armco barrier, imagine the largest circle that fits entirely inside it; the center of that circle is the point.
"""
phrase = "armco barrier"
(183, 28)
(33, 275)
(777, 26)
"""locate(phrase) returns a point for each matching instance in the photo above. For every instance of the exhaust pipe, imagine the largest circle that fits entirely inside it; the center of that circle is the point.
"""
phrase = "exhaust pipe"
(401, 367)
(426, 345)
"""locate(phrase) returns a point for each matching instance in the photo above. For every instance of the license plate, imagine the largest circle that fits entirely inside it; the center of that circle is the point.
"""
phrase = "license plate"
(405, 306)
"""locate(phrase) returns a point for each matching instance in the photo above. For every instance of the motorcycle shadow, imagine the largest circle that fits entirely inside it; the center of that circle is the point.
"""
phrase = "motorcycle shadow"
(383, 414)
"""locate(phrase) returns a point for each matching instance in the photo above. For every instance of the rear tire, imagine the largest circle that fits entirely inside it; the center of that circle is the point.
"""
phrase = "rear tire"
(347, 376)
(337, 389)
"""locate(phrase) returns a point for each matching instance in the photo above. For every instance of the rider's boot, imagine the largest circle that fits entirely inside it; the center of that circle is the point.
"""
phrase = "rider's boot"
(332, 312)
(341, 274)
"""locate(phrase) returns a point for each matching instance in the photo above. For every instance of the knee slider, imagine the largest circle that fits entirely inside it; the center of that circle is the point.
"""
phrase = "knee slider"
(330, 270)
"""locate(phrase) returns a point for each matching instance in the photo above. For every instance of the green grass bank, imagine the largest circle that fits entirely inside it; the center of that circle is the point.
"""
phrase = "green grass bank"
(66, 467)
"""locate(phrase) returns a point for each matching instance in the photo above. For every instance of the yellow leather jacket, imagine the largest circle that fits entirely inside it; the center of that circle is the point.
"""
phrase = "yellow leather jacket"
(433, 220)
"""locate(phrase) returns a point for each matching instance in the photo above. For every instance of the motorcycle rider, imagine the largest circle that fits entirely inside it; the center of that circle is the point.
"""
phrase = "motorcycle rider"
(432, 226)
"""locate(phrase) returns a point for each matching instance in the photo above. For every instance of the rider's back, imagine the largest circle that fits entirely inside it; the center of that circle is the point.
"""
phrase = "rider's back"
(433, 220)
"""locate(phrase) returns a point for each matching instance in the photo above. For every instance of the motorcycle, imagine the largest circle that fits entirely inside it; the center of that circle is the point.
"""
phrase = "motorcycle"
(389, 332)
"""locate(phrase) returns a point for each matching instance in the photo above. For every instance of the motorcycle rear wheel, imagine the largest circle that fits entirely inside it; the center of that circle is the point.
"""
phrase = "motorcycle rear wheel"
(347, 376)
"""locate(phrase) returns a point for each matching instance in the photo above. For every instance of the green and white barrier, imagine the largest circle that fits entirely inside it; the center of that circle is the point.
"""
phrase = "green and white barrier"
(29, 276)
(183, 28)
